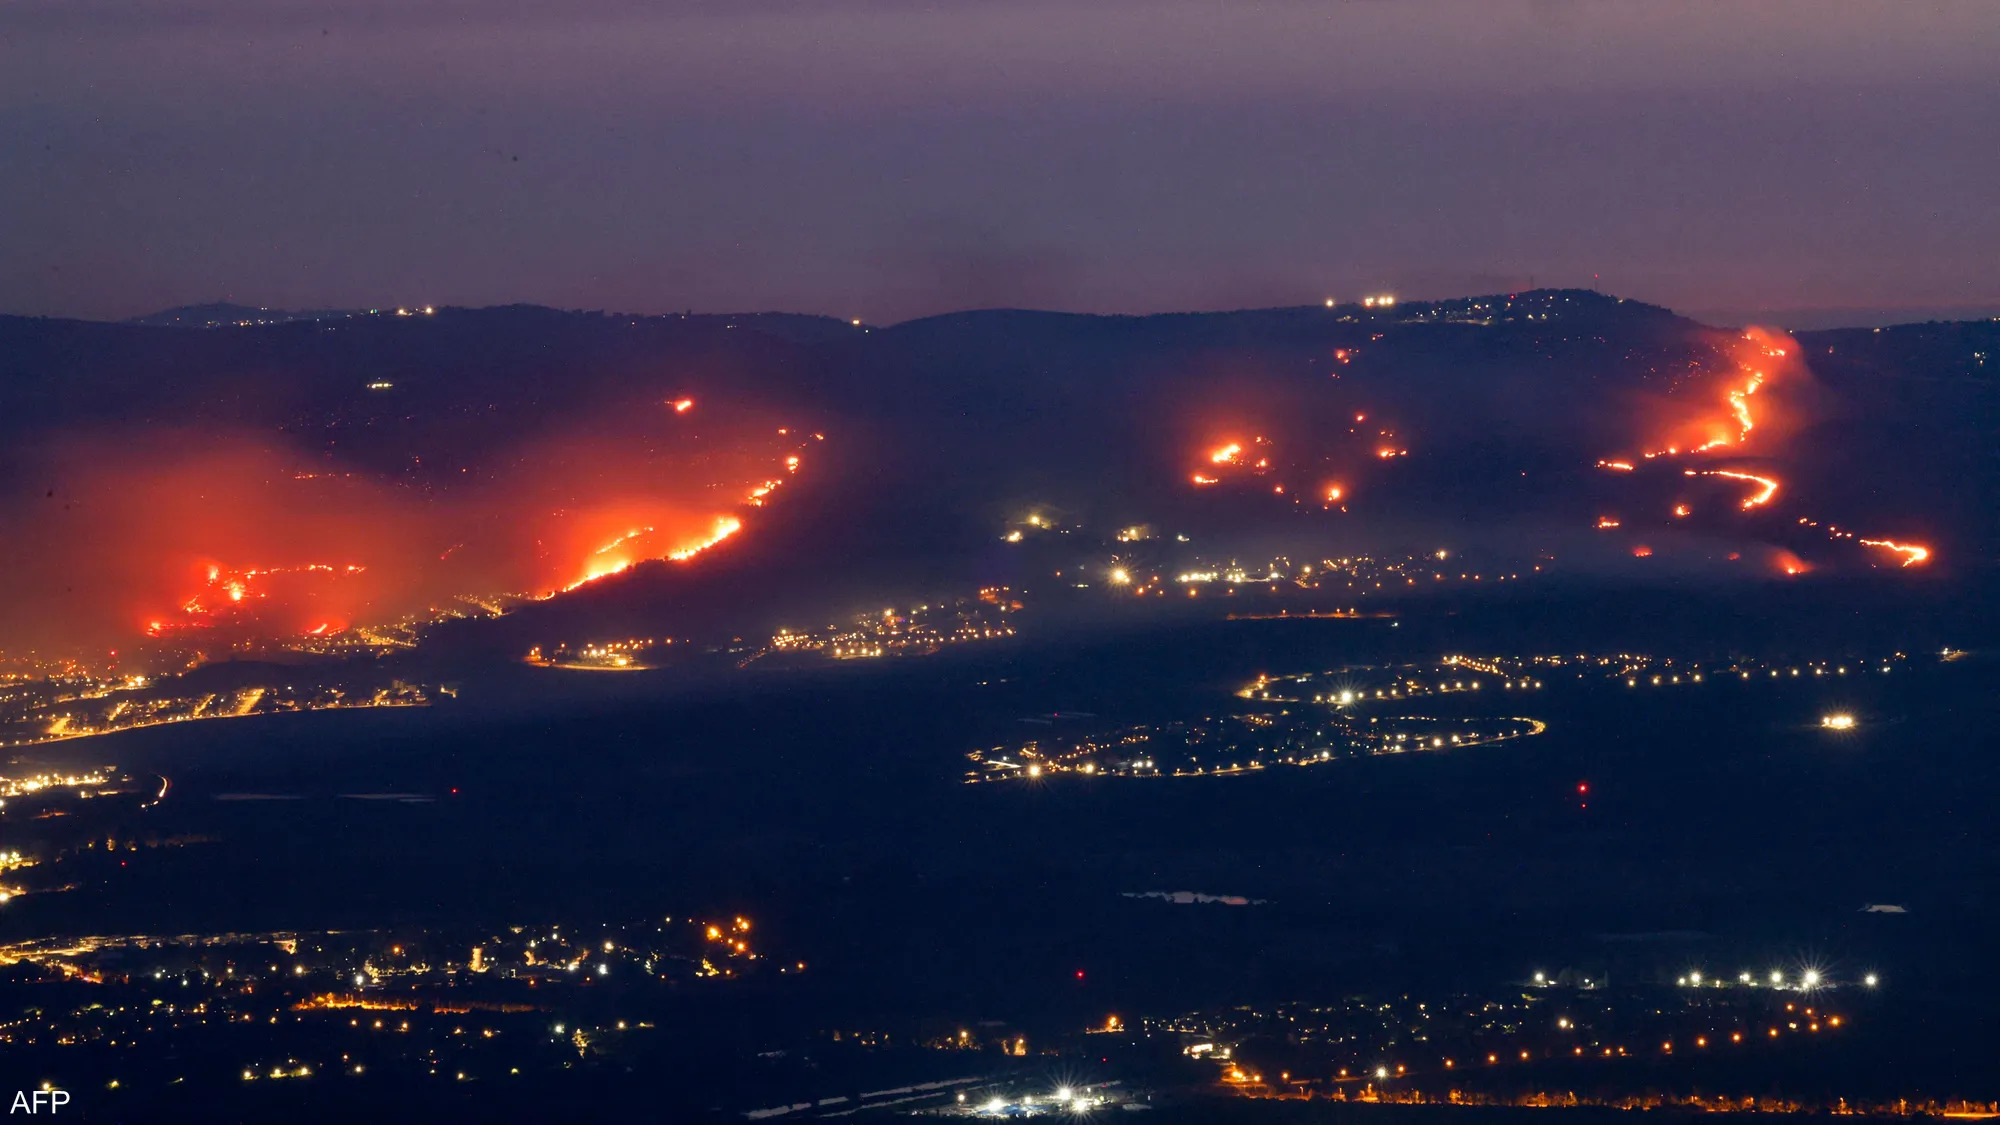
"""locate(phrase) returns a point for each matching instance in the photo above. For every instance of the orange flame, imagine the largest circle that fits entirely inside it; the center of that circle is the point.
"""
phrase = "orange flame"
(1767, 486)
(1912, 554)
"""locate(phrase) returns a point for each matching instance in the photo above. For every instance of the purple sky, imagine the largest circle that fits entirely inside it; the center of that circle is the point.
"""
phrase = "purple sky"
(887, 159)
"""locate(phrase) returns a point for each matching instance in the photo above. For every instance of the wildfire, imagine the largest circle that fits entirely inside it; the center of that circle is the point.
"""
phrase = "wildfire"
(683, 405)
(613, 557)
(725, 526)
(221, 600)
(1767, 486)
(1912, 554)
(622, 540)
(1739, 405)
(1739, 415)
(1227, 455)
(1743, 418)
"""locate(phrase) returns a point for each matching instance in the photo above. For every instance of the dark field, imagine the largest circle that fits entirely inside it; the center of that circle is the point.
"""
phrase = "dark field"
(1722, 829)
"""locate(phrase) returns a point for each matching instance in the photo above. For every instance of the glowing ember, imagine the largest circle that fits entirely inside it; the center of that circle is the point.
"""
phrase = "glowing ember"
(1606, 523)
(683, 405)
(1227, 455)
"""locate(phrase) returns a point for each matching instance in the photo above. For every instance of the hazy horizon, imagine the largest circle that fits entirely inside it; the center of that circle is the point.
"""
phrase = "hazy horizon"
(1803, 319)
(888, 160)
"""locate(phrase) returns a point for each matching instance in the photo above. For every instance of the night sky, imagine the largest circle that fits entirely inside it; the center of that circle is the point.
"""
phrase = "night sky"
(888, 159)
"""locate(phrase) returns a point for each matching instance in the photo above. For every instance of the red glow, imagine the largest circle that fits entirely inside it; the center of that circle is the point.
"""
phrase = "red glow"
(1642, 552)
(218, 542)
(1733, 415)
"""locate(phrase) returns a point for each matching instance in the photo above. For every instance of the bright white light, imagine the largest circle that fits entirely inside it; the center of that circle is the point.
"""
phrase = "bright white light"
(1540, 979)
(1694, 978)
(1063, 1094)
(1381, 1072)
(1869, 980)
(995, 1105)
(1812, 978)
(1777, 977)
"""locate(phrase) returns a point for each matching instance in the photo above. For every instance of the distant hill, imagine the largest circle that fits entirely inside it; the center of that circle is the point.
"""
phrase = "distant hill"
(939, 431)
(221, 314)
